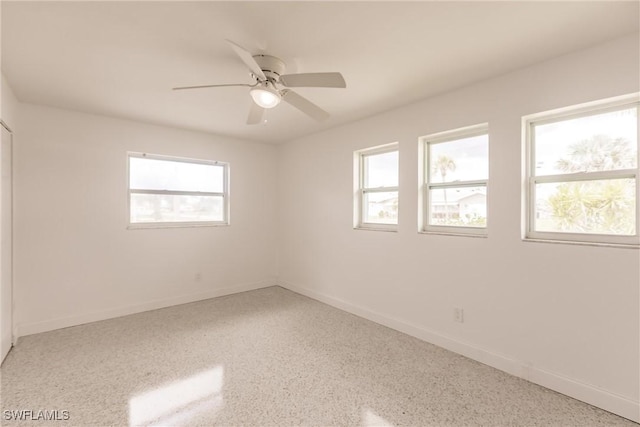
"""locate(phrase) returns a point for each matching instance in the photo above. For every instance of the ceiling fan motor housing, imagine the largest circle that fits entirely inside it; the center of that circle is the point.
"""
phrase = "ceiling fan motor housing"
(271, 66)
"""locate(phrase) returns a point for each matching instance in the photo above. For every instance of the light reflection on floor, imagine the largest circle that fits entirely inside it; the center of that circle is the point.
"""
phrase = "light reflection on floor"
(370, 419)
(180, 401)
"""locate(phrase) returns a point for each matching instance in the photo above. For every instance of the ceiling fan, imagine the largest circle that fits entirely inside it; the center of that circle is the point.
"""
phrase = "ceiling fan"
(268, 74)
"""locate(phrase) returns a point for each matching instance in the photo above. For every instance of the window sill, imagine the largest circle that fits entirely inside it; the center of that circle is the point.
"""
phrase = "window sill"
(170, 225)
(385, 229)
(578, 243)
(453, 233)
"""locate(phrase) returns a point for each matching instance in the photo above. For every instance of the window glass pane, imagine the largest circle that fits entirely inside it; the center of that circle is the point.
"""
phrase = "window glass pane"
(154, 174)
(600, 142)
(150, 208)
(381, 170)
(381, 208)
(462, 207)
(465, 159)
(595, 207)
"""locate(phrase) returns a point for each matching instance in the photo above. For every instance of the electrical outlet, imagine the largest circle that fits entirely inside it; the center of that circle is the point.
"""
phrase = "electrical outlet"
(458, 315)
(197, 277)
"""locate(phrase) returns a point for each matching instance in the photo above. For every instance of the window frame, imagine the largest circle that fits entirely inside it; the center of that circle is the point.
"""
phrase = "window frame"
(530, 180)
(361, 190)
(439, 138)
(176, 224)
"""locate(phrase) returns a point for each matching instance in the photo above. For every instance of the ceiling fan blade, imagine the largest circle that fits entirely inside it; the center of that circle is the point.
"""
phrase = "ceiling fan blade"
(313, 80)
(255, 114)
(247, 58)
(304, 105)
(204, 86)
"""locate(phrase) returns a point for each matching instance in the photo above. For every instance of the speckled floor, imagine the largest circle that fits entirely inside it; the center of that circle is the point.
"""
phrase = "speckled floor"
(266, 358)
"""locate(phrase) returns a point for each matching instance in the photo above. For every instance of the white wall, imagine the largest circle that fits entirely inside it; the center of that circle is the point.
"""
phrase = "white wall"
(564, 316)
(75, 261)
(8, 105)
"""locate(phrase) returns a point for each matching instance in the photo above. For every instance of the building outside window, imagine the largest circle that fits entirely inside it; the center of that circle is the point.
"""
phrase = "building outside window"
(456, 176)
(377, 187)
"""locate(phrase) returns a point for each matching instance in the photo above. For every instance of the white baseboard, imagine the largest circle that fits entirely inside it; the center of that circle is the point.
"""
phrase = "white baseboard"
(65, 322)
(588, 393)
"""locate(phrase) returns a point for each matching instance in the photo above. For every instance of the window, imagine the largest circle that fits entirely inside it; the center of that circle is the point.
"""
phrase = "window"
(583, 173)
(456, 172)
(377, 182)
(169, 191)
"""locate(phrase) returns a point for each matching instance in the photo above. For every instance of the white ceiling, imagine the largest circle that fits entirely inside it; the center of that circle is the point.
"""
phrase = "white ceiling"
(122, 58)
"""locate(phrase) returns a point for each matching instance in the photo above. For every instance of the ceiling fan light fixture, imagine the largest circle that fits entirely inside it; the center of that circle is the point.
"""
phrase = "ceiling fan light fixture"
(268, 73)
(265, 96)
